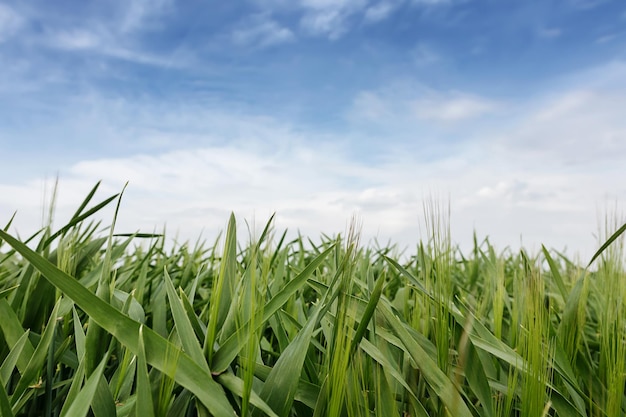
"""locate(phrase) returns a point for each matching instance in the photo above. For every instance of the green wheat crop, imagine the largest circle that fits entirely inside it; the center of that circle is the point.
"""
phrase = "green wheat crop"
(107, 324)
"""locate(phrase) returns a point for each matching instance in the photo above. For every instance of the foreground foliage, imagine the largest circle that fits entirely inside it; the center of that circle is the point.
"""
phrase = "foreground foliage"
(94, 325)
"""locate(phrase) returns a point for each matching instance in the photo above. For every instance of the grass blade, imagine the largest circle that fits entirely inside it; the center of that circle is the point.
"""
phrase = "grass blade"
(608, 242)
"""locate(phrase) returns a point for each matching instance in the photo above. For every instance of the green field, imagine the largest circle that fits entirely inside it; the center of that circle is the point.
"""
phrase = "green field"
(94, 323)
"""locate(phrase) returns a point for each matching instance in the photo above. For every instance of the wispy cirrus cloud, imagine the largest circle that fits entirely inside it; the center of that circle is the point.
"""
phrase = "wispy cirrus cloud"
(10, 22)
(452, 107)
(414, 104)
(261, 31)
(549, 32)
(329, 18)
(380, 11)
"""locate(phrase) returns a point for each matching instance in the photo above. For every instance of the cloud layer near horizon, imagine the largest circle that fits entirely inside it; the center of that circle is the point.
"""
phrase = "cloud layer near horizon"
(542, 176)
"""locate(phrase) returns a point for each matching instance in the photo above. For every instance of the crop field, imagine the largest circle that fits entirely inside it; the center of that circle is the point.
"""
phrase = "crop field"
(100, 324)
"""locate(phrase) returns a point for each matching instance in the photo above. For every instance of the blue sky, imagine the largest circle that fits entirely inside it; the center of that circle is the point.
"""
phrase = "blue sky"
(320, 109)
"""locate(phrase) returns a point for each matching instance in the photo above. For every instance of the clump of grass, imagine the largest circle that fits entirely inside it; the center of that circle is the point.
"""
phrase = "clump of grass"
(94, 325)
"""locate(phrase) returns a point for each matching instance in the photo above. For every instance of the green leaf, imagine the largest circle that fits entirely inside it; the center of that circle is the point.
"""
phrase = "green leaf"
(183, 326)
(145, 404)
(11, 360)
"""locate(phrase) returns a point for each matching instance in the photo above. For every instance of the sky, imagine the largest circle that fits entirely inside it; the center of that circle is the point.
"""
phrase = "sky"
(510, 113)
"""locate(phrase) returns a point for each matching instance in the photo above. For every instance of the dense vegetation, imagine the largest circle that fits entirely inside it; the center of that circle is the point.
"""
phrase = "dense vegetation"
(104, 326)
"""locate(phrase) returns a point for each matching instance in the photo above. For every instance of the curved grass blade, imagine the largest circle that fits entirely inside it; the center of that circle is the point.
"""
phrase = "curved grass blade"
(606, 244)
(75, 220)
(188, 373)
(11, 359)
(5, 293)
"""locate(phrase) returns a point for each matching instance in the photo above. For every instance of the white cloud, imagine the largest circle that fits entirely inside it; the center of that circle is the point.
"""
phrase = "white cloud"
(380, 11)
(75, 39)
(139, 15)
(261, 31)
(453, 107)
(430, 2)
(424, 54)
(330, 23)
(549, 33)
(317, 188)
(10, 22)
